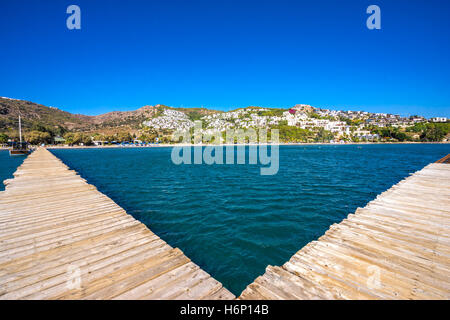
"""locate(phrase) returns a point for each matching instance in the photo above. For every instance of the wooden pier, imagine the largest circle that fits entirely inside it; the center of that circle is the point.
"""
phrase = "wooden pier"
(397, 247)
(60, 238)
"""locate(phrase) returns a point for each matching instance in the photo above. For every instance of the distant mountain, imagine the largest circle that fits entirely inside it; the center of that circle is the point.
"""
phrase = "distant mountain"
(301, 123)
(34, 113)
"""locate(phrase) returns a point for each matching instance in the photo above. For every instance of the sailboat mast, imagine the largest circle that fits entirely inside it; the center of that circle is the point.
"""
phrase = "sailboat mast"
(20, 130)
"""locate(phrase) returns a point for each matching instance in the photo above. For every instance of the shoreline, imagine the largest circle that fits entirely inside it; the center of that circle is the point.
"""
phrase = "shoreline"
(225, 145)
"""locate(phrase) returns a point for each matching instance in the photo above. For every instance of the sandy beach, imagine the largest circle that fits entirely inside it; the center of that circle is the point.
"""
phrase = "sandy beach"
(225, 144)
(245, 144)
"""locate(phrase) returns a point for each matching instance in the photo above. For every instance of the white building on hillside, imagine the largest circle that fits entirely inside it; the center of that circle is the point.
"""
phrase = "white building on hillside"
(438, 119)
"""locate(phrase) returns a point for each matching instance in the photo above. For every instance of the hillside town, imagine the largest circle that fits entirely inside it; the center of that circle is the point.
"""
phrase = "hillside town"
(301, 123)
(340, 125)
(170, 120)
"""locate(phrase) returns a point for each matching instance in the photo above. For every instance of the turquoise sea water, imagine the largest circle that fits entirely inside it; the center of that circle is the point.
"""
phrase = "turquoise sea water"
(232, 221)
(8, 166)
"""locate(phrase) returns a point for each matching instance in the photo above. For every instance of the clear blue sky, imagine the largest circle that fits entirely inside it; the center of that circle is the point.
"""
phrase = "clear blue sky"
(227, 54)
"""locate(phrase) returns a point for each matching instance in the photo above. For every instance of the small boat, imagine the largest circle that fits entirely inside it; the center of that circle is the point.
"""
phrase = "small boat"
(19, 148)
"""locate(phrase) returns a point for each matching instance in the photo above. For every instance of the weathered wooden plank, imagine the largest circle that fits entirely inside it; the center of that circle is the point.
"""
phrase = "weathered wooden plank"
(51, 219)
(397, 247)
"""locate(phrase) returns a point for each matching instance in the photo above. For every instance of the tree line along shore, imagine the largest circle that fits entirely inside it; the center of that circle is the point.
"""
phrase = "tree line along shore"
(423, 132)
